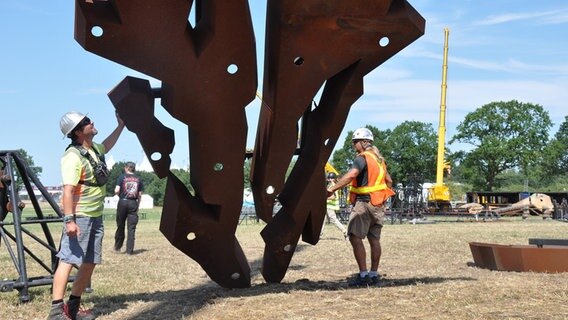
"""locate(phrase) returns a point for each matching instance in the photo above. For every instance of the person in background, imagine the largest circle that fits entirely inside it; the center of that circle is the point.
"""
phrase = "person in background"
(82, 204)
(333, 206)
(370, 188)
(129, 189)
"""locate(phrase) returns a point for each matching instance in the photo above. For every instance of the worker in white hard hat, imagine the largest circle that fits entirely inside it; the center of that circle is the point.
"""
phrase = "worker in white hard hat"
(370, 188)
(83, 173)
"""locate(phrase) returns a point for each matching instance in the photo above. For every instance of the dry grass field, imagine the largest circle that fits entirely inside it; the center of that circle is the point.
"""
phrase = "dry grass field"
(427, 270)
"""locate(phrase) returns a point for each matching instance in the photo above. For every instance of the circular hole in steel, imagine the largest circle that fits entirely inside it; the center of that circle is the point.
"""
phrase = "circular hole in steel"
(97, 31)
(384, 41)
(156, 156)
(298, 61)
(288, 247)
(191, 236)
(235, 276)
(218, 167)
(270, 190)
(232, 68)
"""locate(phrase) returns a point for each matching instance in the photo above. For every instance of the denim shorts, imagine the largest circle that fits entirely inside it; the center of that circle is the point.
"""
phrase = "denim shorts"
(88, 247)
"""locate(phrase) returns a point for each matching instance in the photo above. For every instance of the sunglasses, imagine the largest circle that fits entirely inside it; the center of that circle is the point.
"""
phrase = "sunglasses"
(85, 122)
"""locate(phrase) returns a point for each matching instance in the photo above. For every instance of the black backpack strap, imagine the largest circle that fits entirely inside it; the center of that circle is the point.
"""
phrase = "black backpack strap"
(85, 153)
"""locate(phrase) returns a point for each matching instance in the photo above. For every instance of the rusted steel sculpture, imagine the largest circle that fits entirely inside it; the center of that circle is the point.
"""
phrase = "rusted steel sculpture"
(208, 73)
(311, 44)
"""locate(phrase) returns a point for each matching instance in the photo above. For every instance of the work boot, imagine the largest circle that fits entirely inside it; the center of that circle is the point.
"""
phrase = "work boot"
(360, 281)
(57, 312)
(75, 311)
(375, 281)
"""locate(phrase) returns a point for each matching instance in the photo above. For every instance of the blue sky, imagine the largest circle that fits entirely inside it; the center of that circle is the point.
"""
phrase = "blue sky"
(498, 50)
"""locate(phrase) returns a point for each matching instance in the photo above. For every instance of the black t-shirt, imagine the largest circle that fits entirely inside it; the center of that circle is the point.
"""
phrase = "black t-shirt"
(130, 185)
(360, 163)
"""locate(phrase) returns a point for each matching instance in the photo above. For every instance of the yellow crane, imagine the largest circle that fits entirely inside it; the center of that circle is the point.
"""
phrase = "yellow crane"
(439, 194)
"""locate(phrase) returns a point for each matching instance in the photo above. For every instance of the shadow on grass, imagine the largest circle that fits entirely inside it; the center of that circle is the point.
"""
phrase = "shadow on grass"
(177, 304)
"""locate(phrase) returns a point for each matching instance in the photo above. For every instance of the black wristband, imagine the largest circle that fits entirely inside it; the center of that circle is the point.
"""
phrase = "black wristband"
(68, 218)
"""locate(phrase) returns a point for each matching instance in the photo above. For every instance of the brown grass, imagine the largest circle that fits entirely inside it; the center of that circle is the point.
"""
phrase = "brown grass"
(426, 268)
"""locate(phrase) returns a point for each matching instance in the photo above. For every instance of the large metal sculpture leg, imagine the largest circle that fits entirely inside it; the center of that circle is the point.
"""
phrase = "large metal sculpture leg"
(208, 75)
(313, 44)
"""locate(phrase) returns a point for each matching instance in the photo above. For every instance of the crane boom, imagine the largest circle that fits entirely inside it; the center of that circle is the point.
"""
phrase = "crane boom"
(442, 125)
(439, 194)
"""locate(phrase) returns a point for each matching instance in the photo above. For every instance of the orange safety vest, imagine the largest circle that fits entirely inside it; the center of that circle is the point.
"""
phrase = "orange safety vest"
(376, 185)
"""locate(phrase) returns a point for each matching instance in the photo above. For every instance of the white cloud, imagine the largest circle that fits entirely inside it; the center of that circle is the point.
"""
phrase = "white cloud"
(545, 17)
(387, 104)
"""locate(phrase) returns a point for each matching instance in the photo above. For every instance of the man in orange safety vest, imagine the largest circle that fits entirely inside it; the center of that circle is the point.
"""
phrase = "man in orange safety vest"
(370, 188)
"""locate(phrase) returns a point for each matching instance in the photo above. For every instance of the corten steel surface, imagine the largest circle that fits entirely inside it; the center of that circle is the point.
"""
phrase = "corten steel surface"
(310, 45)
(522, 258)
(208, 74)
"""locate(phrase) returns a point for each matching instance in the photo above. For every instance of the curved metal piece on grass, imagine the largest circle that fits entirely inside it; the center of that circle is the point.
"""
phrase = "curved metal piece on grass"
(520, 258)
(311, 45)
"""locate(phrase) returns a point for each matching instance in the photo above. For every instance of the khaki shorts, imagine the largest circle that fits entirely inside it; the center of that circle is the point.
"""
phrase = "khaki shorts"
(366, 220)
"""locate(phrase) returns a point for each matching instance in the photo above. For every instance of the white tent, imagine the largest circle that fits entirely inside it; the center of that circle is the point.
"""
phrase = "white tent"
(144, 165)
(146, 203)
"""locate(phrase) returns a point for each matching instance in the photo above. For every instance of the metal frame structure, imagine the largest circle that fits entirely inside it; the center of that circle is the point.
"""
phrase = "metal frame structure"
(16, 167)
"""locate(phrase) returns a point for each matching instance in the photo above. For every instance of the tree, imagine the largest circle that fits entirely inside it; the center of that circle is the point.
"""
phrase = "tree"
(556, 160)
(505, 135)
(343, 158)
(409, 149)
(29, 162)
(413, 150)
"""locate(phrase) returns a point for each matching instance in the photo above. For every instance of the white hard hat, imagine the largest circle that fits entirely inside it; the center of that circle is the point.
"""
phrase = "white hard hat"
(69, 121)
(362, 134)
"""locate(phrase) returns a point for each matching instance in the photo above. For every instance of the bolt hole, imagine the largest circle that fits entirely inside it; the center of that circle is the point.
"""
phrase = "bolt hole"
(156, 156)
(298, 61)
(287, 248)
(232, 68)
(384, 41)
(97, 31)
(235, 276)
(270, 190)
(218, 167)
(191, 236)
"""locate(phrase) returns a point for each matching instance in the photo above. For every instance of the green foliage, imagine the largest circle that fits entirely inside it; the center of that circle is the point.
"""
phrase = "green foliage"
(555, 161)
(29, 162)
(409, 149)
(505, 135)
(412, 147)
(343, 158)
(458, 190)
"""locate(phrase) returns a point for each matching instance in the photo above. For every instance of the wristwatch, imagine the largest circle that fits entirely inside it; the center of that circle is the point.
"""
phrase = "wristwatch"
(68, 218)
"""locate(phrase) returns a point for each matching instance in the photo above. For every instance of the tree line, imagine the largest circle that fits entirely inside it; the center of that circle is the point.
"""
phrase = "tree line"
(509, 149)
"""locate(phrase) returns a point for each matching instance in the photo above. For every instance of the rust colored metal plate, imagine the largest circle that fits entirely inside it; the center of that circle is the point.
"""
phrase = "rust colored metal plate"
(313, 45)
(208, 74)
(521, 258)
